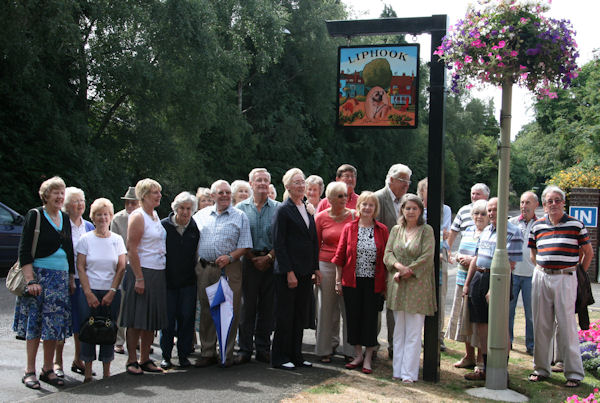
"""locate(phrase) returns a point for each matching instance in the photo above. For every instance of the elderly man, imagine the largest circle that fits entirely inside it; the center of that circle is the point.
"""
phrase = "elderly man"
(119, 227)
(477, 283)
(521, 279)
(397, 182)
(463, 218)
(224, 238)
(257, 283)
(345, 173)
(558, 243)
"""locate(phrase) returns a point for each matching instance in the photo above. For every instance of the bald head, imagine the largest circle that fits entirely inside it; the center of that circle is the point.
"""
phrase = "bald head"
(529, 202)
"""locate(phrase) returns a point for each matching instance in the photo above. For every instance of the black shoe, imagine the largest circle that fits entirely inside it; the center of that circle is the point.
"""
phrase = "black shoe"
(241, 359)
(166, 364)
(442, 346)
(205, 362)
(228, 363)
(263, 357)
(184, 362)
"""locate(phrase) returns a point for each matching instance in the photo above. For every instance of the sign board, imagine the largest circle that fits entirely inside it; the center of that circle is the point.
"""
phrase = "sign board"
(587, 215)
(378, 86)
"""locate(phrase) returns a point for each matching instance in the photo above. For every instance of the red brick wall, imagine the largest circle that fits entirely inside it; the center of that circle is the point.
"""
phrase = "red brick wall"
(588, 197)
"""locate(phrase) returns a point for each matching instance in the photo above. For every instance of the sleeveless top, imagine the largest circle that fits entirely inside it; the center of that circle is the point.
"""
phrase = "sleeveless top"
(152, 249)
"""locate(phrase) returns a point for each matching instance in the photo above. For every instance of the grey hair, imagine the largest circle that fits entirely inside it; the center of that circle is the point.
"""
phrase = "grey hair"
(479, 205)
(238, 184)
(216, 184)
(184, 197)
(202, 192)
(316, 180)
(396, 170)
(71, 192)
(272, 187)
(483, 187)
(257, 170)
(552, 189)
(335, 187)
(535, 196)
(287, 177)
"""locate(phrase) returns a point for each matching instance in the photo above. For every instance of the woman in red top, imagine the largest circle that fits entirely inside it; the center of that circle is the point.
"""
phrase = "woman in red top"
(330, 223)
(361, 276)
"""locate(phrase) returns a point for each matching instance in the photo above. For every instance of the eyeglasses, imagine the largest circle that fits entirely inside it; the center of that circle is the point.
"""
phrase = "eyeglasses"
(554, 201)
(297, 183)
(347, 176)
(224, 192)
(403, 180)
(342, 195)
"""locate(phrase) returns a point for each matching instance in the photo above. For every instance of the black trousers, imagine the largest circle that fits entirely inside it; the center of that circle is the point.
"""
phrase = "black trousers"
(361, 312)
(256, 323)
(291, 310)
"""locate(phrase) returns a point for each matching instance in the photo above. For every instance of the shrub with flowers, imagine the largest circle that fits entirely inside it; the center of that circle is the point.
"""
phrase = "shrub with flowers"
(577, 176)
(589, 345)
(591, 398)
(509, 39)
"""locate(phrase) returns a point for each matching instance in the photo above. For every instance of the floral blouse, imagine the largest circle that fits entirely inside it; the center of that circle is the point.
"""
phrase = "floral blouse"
(417, 293)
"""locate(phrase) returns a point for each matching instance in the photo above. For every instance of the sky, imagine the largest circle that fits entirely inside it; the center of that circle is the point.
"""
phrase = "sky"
(582, 14)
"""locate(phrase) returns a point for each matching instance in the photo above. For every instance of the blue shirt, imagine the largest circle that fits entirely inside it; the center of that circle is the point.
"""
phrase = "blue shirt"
(221, 234)
(468, 246)
(487, 245)
(260, 222)
(444, 225)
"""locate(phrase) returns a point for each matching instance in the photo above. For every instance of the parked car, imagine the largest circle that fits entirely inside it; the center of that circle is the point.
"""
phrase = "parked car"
(11, 226)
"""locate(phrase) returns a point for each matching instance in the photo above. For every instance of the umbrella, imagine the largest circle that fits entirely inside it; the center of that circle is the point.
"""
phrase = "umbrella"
(220, 298)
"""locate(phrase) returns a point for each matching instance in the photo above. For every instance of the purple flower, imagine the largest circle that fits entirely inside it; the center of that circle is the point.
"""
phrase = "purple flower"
(532, 52)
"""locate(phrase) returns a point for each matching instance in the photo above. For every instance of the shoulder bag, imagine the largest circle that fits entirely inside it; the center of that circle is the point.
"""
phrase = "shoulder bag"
(15, 280)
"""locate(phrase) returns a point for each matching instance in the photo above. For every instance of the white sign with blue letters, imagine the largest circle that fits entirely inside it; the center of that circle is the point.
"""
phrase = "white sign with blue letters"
(587, 215)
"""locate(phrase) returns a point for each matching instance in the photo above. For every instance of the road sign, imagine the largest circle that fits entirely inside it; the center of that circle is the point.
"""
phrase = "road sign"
(587, 215)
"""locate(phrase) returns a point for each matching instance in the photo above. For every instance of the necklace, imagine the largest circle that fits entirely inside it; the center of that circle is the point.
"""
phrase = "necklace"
(105, 234)
(409, 234)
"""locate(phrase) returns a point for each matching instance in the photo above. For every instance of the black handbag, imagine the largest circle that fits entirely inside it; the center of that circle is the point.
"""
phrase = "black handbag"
(98, 330)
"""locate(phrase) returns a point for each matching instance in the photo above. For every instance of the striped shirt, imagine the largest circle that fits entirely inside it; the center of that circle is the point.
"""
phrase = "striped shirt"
(463, 219)
(260, 222)
(468, 246)
(557, 246)
(221, 234)
(487, 245)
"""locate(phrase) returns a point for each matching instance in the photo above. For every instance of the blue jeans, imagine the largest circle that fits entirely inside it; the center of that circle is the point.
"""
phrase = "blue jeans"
(181, 311)
(523, 284)
(88, 351)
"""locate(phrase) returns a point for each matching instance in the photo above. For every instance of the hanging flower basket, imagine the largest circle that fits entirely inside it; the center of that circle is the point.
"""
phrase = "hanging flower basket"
(503, 39)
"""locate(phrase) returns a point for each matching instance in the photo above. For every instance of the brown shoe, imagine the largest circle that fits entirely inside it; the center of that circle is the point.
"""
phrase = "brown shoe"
(205, 362)
(475, 376)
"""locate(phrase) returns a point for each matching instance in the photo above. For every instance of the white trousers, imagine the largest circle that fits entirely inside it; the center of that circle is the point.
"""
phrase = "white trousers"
(553, 298)
(407, 345)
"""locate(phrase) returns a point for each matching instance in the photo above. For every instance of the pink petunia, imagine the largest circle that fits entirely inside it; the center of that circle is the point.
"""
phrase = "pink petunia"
(501, 44)
(514, 53)
(468, 59)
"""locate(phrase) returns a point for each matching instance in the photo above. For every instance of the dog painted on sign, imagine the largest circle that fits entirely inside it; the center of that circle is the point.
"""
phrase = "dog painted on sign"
(377, 104)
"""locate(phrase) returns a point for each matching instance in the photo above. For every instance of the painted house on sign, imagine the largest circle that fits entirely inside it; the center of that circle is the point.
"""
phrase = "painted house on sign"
(351, 85)
(403, 91)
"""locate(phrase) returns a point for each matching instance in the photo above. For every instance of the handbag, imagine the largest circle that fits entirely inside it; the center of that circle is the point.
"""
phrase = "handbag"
(15, 280)
(98, 329)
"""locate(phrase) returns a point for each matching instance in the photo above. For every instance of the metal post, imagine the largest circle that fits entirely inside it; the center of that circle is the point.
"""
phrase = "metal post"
(496, 371)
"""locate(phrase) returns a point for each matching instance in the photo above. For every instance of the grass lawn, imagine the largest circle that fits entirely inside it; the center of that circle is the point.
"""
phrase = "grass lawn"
(354, 386)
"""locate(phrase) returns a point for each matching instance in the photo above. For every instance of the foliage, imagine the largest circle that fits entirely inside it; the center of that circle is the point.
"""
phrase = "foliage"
(576, 176)
(591, 398)
(510, 40)
(377, 73)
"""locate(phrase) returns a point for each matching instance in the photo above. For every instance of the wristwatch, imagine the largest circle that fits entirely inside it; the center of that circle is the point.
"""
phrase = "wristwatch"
(230, 258)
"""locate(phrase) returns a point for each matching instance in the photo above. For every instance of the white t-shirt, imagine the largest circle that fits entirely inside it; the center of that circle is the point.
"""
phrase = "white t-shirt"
(101, 258)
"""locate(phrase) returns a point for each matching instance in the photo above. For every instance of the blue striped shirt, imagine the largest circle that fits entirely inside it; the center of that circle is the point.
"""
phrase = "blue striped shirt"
(221, 234)
(468, 247)
(260, 222)
(487, 245)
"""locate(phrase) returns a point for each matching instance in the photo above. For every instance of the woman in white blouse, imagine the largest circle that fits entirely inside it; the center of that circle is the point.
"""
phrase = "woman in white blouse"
(101, 259)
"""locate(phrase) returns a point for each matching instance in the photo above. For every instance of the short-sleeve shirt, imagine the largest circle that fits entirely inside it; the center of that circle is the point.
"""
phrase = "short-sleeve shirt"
(468, 247)
(525, 267)
(557, 246)
(463, 219)
(101, 258)
(487, 245)
(260, 222)
(351, 203)
(221, 234)
(329, 232)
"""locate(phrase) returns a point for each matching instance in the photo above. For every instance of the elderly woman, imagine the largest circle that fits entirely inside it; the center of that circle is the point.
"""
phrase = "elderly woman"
(204, 198)
(240, 190)
(74, 206)
(45, 312)
(410, 284)
(182, 244)
(101, 259)
(146, 295)
(330, 223)
(297, 251)
(459, 326)
(272, 192)
(314, 190)
(360, 278)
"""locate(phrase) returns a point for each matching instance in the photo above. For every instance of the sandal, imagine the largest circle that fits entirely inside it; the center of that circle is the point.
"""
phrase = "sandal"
(31, 384)
(572, 383)
(45, 376)
(326, 359)
(79, 370)
(146, 367)
(464, 363)
(135, 365)
(536, 378)
(119, 349)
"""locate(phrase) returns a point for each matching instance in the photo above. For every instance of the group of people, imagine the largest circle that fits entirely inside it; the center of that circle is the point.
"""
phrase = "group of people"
(331, 264)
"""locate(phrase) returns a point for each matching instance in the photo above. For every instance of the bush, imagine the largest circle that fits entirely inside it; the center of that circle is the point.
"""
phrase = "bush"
(577, 176)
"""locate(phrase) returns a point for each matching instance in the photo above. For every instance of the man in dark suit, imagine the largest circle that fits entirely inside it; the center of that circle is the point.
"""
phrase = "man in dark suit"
(397, 182)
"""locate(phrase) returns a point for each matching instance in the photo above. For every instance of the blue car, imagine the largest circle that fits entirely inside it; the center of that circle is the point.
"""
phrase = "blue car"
(11, 226)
